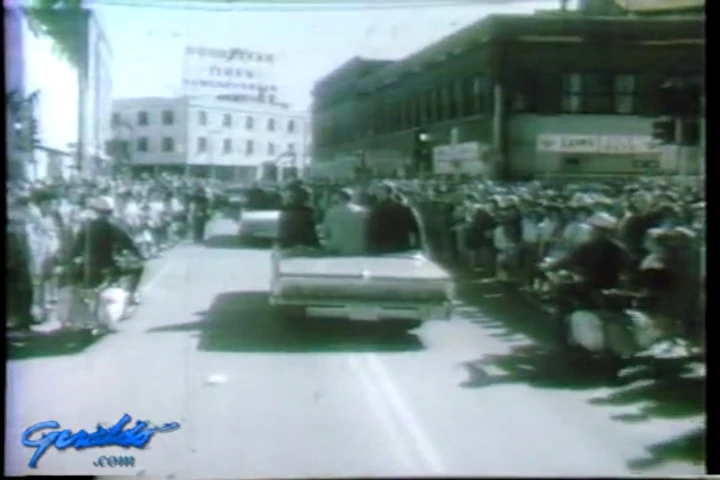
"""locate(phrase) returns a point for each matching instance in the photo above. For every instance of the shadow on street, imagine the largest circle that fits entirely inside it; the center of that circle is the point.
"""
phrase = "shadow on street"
(54, 344)
(230, 242)
(245, 322)
(667, 388)
(689, 447)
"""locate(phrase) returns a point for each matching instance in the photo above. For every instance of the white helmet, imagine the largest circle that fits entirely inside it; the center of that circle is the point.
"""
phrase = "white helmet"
(103, 204)
(603, 220)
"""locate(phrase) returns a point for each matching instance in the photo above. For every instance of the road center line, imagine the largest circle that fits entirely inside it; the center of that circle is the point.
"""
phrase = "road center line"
(399, 407)
(382, 413)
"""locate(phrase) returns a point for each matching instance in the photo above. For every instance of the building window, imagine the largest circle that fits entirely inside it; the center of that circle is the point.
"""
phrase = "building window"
(480, 95)
(524, 94)
(168, 117)
(271, 124)
(589, 93)
(249, 147)
(625, 94)
(291, 147)
(202, 144)
(142, 144)
(456, 104)
(598, 91)
(142, 118)
(249, 123)
(473, 96)
(271, 148)
(445, 102)
(227, 145)
(291, 126)
(116, 118)
(572, 99)
(227, 120)
(202, 117)
(168, 144)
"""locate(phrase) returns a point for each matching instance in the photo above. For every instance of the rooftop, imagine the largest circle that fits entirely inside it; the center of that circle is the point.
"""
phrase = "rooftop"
(540, 28)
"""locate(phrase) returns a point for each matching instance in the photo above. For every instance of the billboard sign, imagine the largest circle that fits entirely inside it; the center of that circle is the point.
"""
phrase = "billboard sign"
(221, 71)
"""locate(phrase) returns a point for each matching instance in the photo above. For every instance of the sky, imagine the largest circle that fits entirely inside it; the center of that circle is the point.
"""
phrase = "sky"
(308, 41)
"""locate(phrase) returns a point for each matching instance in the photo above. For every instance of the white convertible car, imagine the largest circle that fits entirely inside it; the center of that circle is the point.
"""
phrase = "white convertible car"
(259, 217)
(402, 290)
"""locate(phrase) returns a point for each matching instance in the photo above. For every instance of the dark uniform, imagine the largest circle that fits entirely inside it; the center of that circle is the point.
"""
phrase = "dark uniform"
(199, 214)
(601, 262)
(297, 222)
(390, 227)
(99, 243)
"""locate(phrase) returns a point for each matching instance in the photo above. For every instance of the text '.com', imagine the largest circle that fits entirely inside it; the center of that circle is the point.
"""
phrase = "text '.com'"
(112, 462)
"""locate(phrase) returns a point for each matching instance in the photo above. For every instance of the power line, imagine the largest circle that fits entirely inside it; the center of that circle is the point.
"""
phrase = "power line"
(283, 6)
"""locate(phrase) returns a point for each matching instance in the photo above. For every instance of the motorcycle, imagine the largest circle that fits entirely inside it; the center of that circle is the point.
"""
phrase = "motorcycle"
(613, 324)
(98, 310)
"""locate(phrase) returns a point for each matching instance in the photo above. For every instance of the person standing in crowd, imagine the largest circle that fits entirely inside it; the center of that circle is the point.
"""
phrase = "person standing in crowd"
(344, 225)
(18, 264)
(297, 220)
(199, 214)
(392, 226)
(507, 238)
(634, 227)
(480, 234)
(577, 231)
(550, 231)
(531, 217)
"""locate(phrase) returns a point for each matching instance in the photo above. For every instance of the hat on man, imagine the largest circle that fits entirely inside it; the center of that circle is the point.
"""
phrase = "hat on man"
(103, 204)
(603, 221)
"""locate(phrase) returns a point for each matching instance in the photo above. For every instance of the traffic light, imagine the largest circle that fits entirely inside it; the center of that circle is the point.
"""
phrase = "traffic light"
(663, 130)
(679, 99)
(422, 150)
(690, 133)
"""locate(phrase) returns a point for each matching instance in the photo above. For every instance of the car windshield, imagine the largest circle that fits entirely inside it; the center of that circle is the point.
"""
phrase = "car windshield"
(263, 200)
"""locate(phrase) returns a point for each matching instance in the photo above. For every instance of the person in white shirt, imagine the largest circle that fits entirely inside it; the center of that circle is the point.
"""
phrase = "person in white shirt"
(577, 231)
(531, 243)
(550, 230)
(345, 224)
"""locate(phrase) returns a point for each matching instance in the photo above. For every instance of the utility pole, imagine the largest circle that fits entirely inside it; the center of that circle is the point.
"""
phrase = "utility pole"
(83, 21)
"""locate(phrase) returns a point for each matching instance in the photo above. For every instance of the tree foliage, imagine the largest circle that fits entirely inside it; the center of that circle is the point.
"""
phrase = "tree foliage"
(63, 21)
(22, 112)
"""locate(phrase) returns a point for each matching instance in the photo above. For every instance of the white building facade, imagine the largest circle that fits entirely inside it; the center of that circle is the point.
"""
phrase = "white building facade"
(73, 102)
(208, 137)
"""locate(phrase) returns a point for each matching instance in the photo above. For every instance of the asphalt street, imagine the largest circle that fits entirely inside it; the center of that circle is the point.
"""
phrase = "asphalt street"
(479, 394)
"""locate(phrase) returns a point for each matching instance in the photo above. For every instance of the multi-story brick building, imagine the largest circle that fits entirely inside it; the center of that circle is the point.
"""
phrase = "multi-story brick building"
(512, 96)
(211, 137)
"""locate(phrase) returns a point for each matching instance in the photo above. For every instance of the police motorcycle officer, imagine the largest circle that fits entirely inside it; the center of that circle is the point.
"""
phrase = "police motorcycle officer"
(593, 312)
(103, 253)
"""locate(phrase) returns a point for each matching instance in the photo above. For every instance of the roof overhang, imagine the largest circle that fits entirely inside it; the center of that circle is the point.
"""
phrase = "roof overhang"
(659, 5)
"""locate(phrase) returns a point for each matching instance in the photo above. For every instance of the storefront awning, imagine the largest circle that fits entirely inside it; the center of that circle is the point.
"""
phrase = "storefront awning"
(659, 5)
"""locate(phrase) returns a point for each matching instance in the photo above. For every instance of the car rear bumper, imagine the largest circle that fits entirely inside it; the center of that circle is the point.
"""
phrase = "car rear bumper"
(249, 232)
(365, 311)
